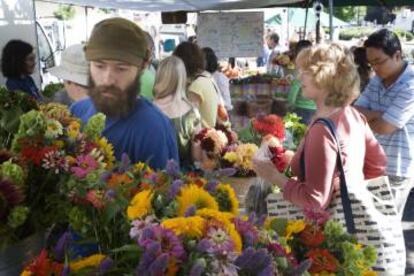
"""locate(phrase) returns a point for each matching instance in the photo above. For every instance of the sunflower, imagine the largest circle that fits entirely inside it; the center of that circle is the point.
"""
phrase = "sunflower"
(223, 217)
(73, 130)
(140, 205)
(227, 199)
(188, 226)
(91, 261)
(235, 237)
(107, 150)
(193, 196)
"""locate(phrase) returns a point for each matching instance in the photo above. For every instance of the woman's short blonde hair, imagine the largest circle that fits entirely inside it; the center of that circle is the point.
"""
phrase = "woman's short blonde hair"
(333, 70)
(171, 78)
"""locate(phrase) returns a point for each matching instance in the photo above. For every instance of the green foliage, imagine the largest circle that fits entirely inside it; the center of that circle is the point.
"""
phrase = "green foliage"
(346, 13)
(95, 126)
(404, 35)
(355, 32)
(65, 12)
(11, 171)
(12, 106)
(51, 89)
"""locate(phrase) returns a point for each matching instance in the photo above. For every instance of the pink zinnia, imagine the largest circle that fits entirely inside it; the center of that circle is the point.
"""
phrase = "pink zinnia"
(95, 198)
(84, 165)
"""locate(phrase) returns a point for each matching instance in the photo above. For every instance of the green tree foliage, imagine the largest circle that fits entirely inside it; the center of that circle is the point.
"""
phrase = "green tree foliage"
(347, 13)
(65, 12)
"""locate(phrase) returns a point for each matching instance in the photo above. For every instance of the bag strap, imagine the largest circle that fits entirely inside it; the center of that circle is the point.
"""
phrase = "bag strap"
(346, 202)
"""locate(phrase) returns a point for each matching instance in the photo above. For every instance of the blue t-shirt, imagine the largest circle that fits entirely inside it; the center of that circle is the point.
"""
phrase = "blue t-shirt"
(146, 135)
(25, 84)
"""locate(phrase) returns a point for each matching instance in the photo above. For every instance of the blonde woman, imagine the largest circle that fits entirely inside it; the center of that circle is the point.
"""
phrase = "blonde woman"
(330, 78)
(170, 97)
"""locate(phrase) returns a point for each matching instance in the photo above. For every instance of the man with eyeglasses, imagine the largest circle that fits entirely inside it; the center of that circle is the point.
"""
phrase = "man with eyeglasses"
(388, 105)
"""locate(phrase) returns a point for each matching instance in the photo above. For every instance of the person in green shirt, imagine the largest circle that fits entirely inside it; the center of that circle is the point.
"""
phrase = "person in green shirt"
(147, 78)
(303, 107)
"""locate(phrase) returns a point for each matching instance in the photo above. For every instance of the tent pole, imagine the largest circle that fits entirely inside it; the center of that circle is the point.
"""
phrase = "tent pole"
(331, 20)
(306, 20)
(86, 23)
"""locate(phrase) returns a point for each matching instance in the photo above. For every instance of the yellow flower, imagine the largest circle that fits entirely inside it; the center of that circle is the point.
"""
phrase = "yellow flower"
(294, 226)
(358, 246)
(192, 227)
(191, 195)
(323, 273)
(59, 144)
(142, 167)
(235, 237)
(231, 198)
(91, 261)
(223, 217)
(230, 156)
(140, 205)
(107, 150)
(369, 273)
(26, 273)
(73, 129)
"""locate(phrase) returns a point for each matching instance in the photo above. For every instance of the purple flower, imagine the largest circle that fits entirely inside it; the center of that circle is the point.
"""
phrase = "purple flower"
(211, 185)
(105, 265)
(226, 172)
(60, 247)
(170, 243)
(125, 162)
(65, 271)
(190, 211)
(198, 268)
(255, 262)
(217, 241)
(172, 168)
(318, 216)
(110, 194)
(175, 188)
(150, 254)
(247, 230)
(159, 265)
(105, 176)
(139, 225)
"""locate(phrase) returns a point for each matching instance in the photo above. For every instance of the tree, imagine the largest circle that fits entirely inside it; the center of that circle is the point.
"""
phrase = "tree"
(381, 15)
(346, 13)
(65, 12)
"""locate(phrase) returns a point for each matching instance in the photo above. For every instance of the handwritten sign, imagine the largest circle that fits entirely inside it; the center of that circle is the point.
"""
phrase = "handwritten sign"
(237, 34)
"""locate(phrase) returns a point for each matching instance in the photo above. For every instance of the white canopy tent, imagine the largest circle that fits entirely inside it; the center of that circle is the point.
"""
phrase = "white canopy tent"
(179, 5)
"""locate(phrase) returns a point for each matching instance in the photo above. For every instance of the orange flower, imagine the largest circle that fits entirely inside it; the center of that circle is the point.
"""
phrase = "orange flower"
(312, 236)
(322, 260)
(118, 179)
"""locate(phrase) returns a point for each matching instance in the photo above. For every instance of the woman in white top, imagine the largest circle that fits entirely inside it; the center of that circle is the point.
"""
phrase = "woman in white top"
(221, 80)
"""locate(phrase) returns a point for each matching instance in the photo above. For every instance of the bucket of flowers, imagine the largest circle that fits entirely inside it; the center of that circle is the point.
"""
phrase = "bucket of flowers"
(165, 223)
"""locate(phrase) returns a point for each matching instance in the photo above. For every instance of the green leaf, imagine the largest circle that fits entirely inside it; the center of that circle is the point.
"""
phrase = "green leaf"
(279, 225)
(127, 248)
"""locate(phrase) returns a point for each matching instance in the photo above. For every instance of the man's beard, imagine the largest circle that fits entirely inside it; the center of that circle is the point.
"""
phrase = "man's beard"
(120, 105)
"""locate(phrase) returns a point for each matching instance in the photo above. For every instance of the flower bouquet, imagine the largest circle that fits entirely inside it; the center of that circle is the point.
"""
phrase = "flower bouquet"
(324, 242)
(47, 147)
(163, 223)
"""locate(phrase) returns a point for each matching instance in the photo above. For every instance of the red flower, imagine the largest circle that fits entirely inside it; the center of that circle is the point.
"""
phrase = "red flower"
(95, 198)
(35, 153)
(278, 158)
(44, 266)
(200, 136)
(312, 236)
(322, 260)
(270, 124)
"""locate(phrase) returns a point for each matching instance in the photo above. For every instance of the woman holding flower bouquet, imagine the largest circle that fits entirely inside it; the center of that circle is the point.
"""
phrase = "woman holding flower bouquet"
(337, 156)
(329, 77)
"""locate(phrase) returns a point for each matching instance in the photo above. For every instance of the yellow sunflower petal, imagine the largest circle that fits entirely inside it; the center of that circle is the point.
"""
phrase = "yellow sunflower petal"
(191, 195)
(192, 227)
(140, 205)
(91, 261)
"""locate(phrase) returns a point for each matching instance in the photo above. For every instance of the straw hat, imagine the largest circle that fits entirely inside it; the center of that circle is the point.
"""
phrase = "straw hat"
(73, 66)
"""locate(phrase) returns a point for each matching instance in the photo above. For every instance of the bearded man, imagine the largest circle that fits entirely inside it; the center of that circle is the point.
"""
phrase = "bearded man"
(117, 52)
